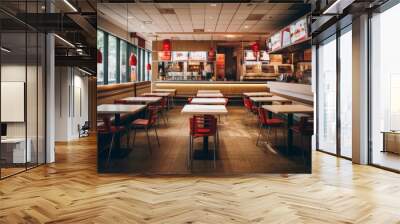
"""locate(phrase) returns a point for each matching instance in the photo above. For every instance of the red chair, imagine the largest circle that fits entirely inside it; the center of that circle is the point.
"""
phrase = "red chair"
(161, 109)
(190, 100)
(267, 122)
(202, 126)
(147, 124)
(248, 104)
(107, 128)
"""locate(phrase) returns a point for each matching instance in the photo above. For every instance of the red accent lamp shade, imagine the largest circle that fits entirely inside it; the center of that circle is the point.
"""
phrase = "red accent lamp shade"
(255, 47)
(132, 60)
(148, 67)
(99, 57)
(166, 45)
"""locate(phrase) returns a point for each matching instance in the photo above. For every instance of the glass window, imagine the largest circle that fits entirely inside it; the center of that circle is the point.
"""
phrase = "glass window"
(146, 56)
(112, 59)
(385, 89)
(123, 61)
(327, 96)
(346, 93)
(100, 47)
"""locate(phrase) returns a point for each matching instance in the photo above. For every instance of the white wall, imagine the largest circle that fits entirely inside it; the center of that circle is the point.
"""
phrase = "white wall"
(71, 102)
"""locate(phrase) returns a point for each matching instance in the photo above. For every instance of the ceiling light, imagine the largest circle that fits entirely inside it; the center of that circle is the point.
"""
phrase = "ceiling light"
(246, 27)
(43, 7)
(130, 17)
(5, 50)
(70, 5)
(64, 40)
(337, 7)
(213, 5)
(230, 36)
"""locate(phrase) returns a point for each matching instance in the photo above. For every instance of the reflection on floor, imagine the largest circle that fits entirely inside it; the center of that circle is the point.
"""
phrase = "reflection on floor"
(387, 159)
(238, 152)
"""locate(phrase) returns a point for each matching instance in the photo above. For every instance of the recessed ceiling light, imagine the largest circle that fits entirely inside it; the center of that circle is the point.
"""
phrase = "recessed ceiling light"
(246, 27)
(130, 17)
(213, 5)
(230, 36)
(43, 7)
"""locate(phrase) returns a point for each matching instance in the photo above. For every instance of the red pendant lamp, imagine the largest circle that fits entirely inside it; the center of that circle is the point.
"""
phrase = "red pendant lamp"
(132, 60)
(148, 67)
(166, 45)
(99, 57)
(255, 47)
(211, 54)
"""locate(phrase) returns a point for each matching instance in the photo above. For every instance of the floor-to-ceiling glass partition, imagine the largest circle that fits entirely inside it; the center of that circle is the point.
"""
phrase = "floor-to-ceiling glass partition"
(327, 95)
(22, 76)
(385, 89)
(345, 58)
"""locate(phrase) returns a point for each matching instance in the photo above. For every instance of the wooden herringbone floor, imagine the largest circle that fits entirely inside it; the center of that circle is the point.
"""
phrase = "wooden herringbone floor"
(71, 191)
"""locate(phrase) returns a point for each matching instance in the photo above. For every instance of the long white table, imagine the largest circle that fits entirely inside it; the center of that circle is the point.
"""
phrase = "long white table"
(208, 91)
(209, 101)
(270, 99)
(195, 109)
(255, 94)
(210, 95)
(142, 99)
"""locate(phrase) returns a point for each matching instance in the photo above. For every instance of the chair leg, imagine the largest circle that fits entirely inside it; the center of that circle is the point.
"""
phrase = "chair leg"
(109, 151)
(215, 151)
(129, 137)
(148, 140)
(259, 133)
(134, 137)
(158, 141)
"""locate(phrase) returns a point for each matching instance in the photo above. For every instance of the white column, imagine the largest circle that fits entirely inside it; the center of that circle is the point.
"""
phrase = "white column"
(360, 90)
(50, 99)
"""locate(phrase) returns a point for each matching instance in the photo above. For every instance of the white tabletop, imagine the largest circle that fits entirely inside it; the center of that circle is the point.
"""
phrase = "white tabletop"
(269, 99)
(210, 95)
(208, 91)
(196, 109)
(142, 99)
(164, 90)
(214, 101)
(289, 109)
(250, 94)
(160, 94)
(119, 108)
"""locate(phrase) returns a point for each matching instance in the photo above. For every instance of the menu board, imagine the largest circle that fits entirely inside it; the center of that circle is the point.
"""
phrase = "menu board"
(180, 55)
(286, 41)
(276, 41)
(250, 55)
(264, 56)
(298, 30)
(198, 55)
(164, 55)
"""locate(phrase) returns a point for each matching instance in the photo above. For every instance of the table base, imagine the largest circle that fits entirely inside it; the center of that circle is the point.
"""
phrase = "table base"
(203, 155)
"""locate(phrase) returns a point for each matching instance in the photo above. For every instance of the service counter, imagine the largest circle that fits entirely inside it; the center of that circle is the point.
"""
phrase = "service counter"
(228, 88)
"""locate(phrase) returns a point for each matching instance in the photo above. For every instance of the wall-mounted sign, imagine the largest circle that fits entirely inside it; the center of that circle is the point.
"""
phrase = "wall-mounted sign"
(276, 41)
(264, 56)
(250, 55)
(220, 66)
(180, 55)
(286, 41)
(164, 55)
(198, 55)
(298, 30)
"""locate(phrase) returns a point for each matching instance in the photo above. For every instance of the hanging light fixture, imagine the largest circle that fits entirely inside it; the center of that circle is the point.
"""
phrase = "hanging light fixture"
(99, 57)
(255, 47)
(148, 67)
(132, 59)
(166, 45)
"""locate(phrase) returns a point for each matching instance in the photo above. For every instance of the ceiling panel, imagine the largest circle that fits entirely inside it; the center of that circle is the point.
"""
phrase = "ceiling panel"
(179, 22)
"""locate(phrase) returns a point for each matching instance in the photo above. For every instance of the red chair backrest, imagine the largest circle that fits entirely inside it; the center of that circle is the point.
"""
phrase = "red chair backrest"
(246, 102)
(190, 99)
(198, 122)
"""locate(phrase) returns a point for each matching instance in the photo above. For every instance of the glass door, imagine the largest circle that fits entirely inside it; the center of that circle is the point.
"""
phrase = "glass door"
(326, 98)
(345, 58)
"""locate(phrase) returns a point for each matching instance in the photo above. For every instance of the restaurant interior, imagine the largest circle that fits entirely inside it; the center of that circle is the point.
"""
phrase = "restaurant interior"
(204, 88)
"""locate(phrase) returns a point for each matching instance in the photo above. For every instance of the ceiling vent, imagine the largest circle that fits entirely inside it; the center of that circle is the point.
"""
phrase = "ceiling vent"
(255, 17)
(167, 11)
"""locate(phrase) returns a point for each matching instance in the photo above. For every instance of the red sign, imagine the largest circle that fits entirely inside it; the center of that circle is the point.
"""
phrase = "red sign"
(220, 66)
(211, 55)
